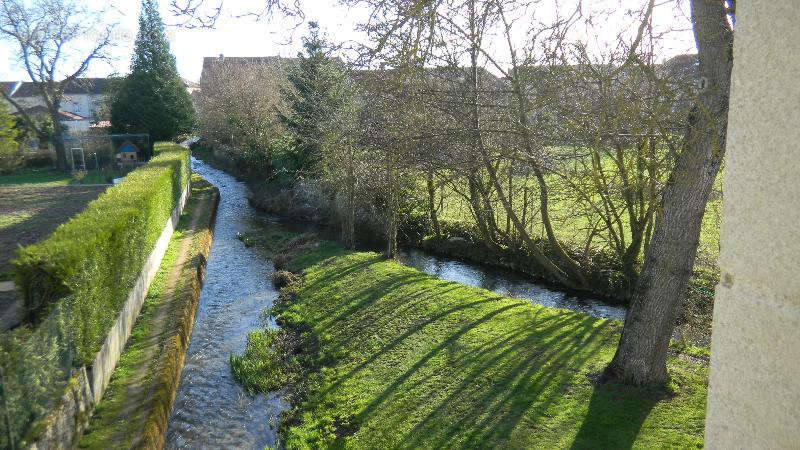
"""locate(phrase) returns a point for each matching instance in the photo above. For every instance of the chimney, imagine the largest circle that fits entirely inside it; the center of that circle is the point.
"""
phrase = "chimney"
(221, 58)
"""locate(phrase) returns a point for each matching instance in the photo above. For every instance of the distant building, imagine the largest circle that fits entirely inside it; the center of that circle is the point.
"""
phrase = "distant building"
(83, 103)
(278, 64)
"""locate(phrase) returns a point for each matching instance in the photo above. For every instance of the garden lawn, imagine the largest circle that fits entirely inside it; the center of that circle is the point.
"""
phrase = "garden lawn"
(30, 214)
(49, 178)
(571, 229)
(412, 361)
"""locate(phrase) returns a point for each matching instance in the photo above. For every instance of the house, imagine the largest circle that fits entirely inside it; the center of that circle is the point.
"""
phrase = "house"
(277, 65)
(82, 105)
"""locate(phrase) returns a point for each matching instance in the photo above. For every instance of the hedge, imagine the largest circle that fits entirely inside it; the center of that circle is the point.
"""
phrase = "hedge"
(89, 264)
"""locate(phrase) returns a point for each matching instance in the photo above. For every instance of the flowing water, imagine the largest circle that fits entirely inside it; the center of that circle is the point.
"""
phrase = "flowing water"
(211, 410)
(504, 283)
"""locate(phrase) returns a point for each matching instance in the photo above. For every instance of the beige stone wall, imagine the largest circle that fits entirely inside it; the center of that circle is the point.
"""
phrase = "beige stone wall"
(754, 391)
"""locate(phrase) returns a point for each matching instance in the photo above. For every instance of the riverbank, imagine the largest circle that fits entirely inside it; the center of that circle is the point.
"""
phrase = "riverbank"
(136, 405)
(375, 354)
(461, 241)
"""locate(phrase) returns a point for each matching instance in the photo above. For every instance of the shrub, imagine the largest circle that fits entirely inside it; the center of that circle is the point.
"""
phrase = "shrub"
(92, 261)
(281, 262)
(44, 159)
(282, 278)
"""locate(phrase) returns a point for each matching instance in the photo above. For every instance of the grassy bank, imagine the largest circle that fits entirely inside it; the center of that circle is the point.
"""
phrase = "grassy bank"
(461, 239)
(378, 355)
(135, 408)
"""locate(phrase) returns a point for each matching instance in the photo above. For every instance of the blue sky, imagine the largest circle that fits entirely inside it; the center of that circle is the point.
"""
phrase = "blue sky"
(280, 36)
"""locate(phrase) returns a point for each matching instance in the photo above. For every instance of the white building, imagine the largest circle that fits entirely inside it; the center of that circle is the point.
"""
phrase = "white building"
(81, 106)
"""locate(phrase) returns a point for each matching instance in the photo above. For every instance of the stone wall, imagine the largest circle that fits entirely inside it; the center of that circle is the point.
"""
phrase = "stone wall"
(754, 392)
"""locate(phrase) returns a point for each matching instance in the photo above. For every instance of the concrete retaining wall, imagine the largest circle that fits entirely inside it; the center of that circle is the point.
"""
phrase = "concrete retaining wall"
(66, 422)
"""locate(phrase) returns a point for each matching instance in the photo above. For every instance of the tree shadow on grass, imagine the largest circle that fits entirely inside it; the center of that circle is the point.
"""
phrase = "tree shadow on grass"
(616, 414)
(524, 379)
(45, 209)
(468, 369)
(430, 354)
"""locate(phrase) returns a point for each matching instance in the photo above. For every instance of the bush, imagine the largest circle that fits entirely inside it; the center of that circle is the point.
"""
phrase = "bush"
(40, 160)
(280, 262)
(283, 278)
(11, 161)
(92, 261)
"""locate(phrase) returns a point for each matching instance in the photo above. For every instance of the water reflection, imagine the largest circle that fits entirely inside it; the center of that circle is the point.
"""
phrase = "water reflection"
(504, 283)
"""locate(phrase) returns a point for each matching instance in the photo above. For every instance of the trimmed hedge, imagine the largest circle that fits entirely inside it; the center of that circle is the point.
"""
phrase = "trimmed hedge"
(90, 263)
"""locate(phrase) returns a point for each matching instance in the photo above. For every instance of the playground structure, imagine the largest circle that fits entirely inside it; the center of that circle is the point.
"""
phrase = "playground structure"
(108, 151)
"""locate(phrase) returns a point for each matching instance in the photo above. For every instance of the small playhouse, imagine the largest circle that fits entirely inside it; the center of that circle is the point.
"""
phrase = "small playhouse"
(127, 153)
(131, 149)
(100, 150)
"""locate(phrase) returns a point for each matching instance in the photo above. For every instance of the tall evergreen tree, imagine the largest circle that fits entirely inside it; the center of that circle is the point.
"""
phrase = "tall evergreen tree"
(316, 97)
(153, 98)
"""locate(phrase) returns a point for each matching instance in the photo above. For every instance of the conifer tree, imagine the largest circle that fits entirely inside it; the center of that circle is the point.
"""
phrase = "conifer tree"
(152, 98)
(318, 94)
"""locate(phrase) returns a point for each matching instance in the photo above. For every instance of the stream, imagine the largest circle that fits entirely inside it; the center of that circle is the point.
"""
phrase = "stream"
(211, 410)
(505, 283)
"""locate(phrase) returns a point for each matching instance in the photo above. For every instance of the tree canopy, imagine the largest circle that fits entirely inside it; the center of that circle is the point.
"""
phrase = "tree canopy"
(316, 99)
(152, 98)
(8, 138)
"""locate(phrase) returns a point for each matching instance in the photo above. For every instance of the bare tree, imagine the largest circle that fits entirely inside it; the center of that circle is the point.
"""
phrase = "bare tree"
(642, 353)
(204, 14)
(48, 35)
(238, 104)
(455, 32)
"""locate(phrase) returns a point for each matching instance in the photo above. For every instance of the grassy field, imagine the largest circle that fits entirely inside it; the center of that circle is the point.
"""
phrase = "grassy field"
(571, 228)
(30, 213)
(383, 356)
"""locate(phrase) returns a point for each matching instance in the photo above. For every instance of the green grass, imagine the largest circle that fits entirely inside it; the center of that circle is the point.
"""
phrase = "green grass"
(269, 239)
(48, 177)
(7, 220)
(397, 358)
(29, 213)
(570, 228)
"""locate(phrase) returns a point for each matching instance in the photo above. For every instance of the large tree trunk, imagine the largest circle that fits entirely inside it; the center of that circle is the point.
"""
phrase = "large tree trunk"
(58, 140)
(642, 353)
